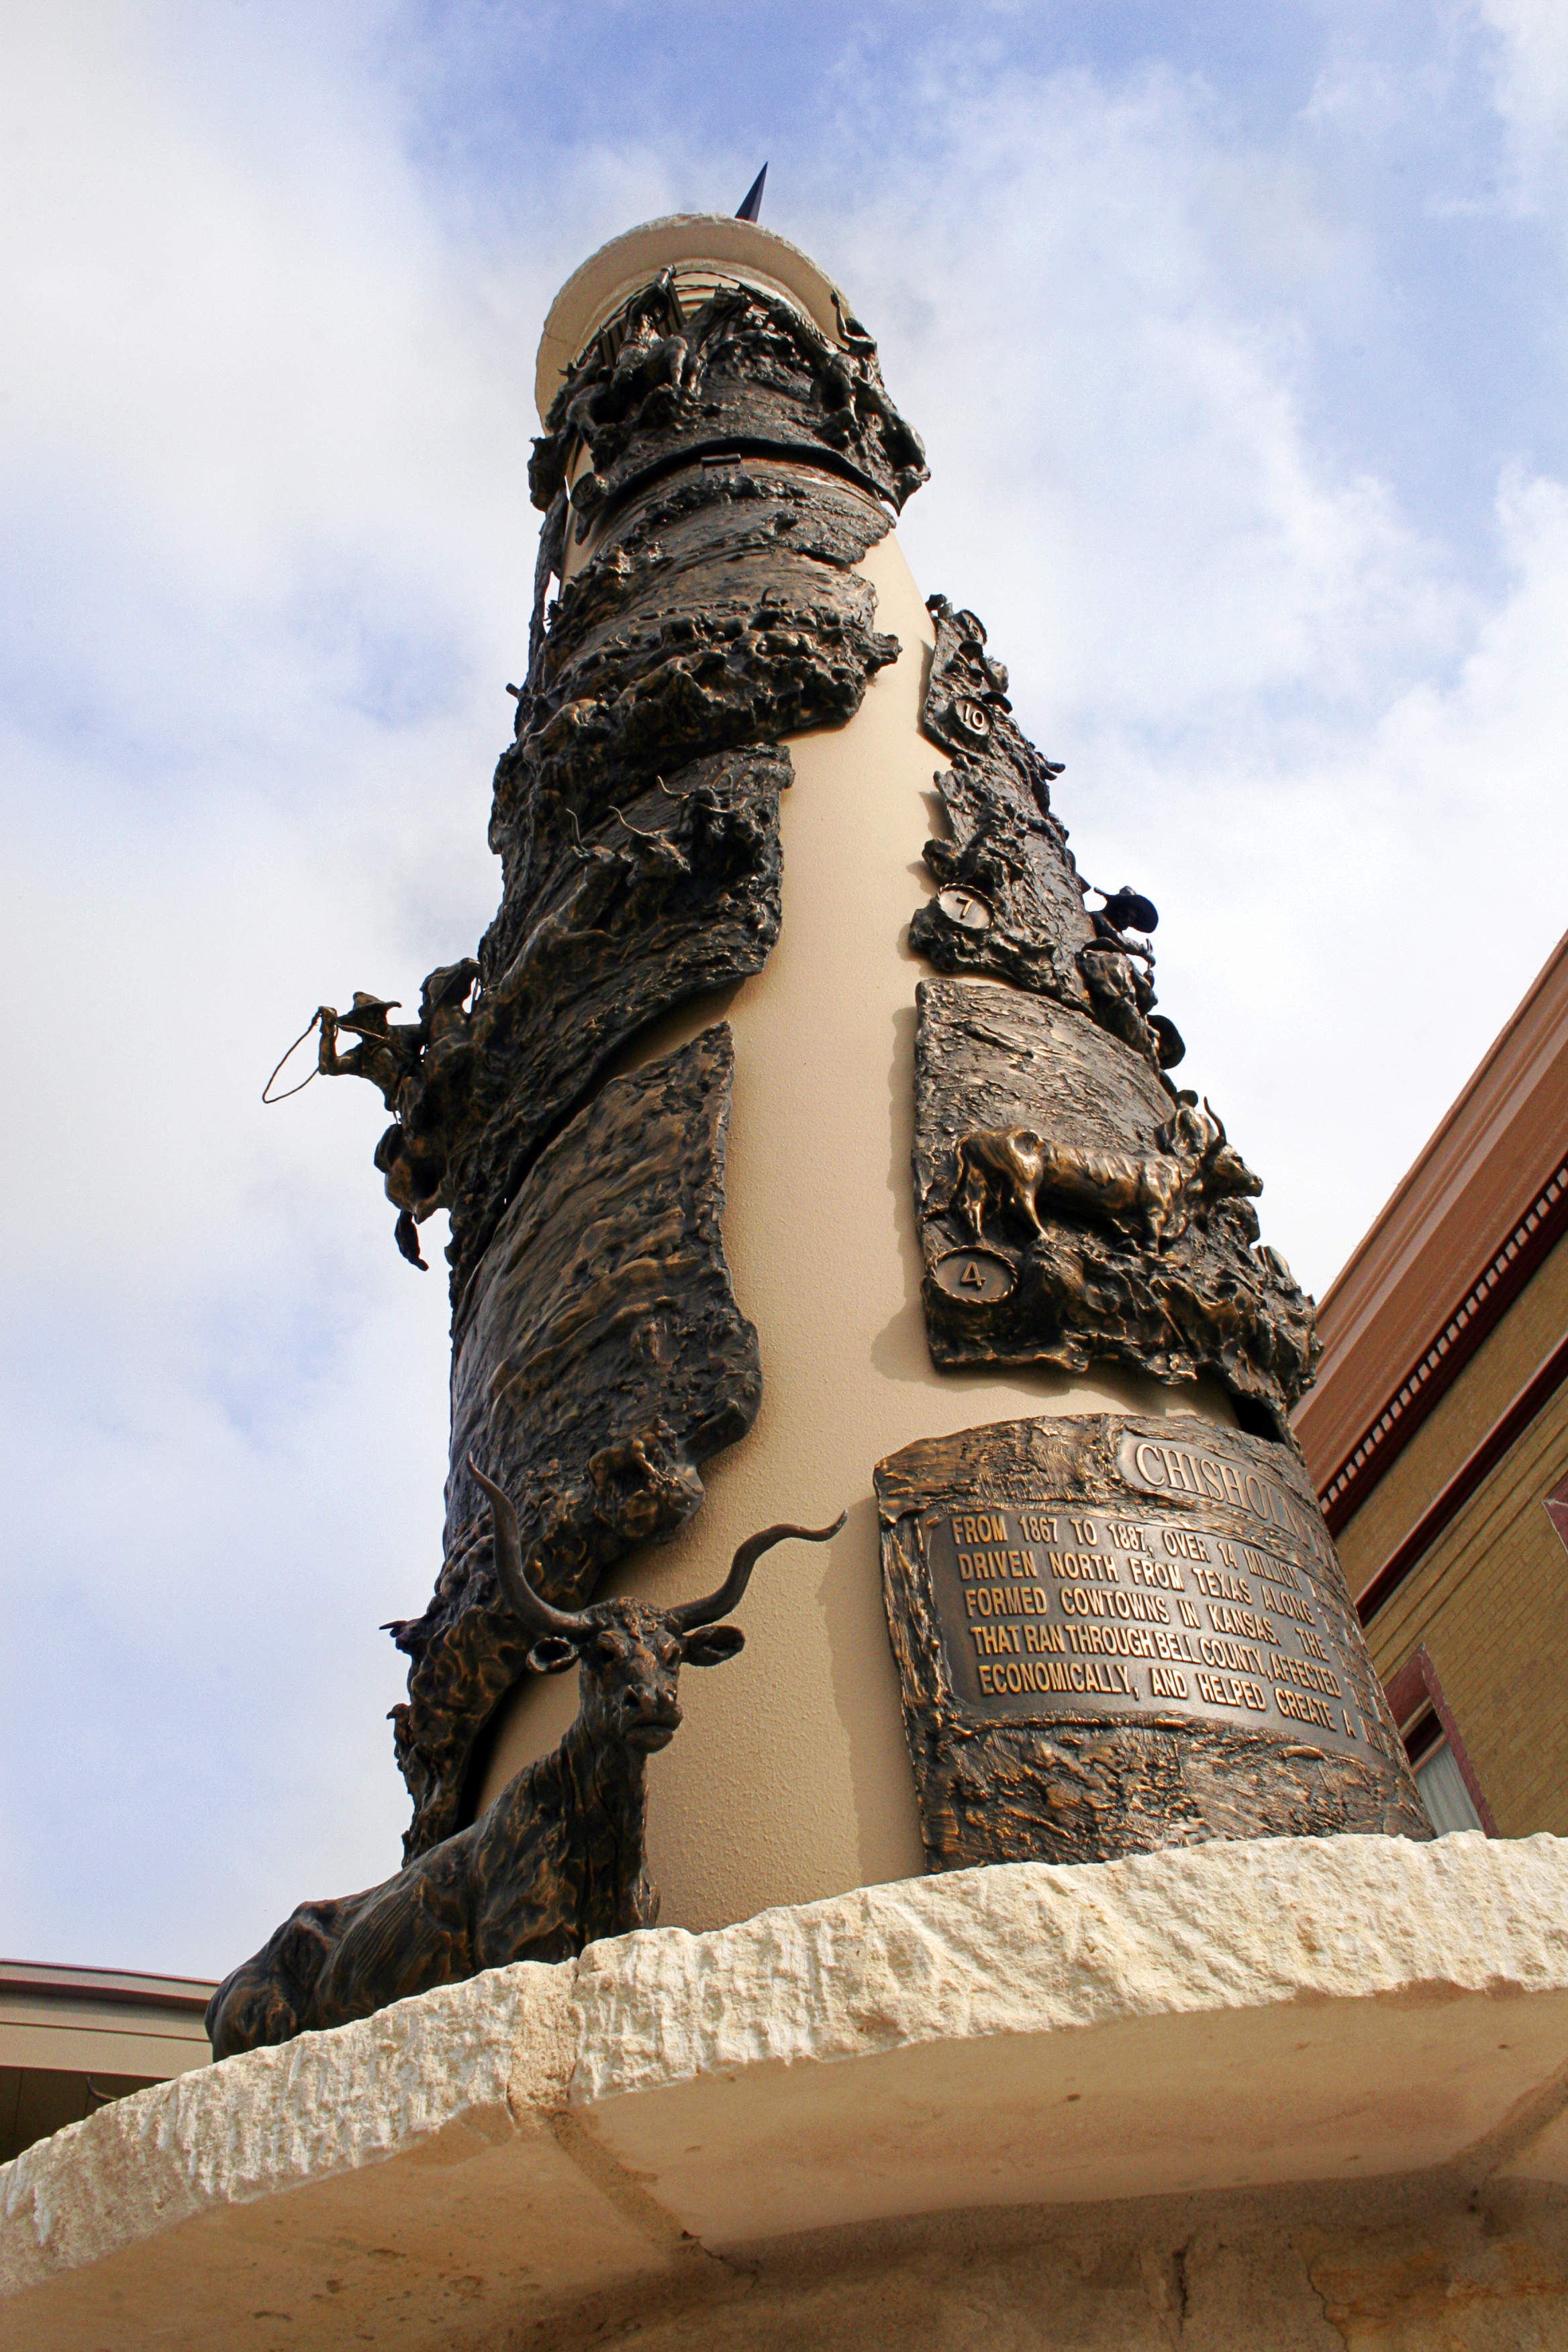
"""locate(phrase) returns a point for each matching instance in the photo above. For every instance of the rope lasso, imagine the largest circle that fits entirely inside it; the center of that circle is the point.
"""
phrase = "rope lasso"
(266, 1094)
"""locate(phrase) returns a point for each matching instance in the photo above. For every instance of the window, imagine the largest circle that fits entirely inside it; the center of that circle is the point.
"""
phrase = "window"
(1557, 1508)
(1444, 1777)
(1448, 1802)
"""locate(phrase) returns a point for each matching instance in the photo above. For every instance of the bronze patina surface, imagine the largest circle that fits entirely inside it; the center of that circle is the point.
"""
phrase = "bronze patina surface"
(737, 466)
(555, 1861)
(1073, 1207)
(1105, 1642)
(602, 1359)
(1013, 901)
(636, 812)
(743, 370)
(740, 466)
(1115, 1635)
(1094, 1661)
(1073, 1203)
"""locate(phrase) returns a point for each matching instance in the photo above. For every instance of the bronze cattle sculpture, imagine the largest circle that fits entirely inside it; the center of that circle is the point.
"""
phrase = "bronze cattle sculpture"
(1161, 1191)
(555, 1861)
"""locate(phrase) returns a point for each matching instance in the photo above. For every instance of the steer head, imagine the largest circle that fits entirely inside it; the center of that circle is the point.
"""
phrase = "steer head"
(1213, 1169)
(1223, 1173)
(629, 1653)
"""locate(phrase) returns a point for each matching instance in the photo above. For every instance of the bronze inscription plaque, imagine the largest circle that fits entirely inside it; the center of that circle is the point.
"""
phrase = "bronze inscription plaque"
(1042, 1607)
(1166, 1588)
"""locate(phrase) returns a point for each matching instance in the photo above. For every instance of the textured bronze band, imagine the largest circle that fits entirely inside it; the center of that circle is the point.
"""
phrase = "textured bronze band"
(1070, 1210)
(603, 1361)
(739, 466)
(1074, 1203)
(1116, 1634)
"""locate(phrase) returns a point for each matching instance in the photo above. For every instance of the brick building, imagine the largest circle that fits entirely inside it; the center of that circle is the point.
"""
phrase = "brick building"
(1438, 1435)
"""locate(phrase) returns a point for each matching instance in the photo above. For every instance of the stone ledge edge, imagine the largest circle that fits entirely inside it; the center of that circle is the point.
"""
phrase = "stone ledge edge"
(1019, 1949)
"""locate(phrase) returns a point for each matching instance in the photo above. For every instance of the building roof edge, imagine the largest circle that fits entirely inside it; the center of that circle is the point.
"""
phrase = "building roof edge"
(1461, 1199)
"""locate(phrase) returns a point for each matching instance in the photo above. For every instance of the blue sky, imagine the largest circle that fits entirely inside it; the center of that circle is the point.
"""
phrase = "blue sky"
(1238, 337)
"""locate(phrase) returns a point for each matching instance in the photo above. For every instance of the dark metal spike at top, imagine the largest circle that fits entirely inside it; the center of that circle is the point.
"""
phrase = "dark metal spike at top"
(750, 203)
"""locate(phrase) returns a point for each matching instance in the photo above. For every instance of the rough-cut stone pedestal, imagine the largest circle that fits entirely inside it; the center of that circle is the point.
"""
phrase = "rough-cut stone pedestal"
(1285, 2093)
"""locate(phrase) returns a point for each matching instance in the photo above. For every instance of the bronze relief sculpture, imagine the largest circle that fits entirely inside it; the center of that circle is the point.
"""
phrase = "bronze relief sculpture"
(1073, 1203)
(1085, 1672)
(742, 468)
(555, 1861)
(1115, 1633)
(740, 464)
(599, 1359)
(1073, 1207)
(1110, 1632)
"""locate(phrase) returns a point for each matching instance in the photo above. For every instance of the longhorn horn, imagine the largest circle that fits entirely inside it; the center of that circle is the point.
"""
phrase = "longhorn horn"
(692, 1613)
(536, 1616)
(1220, 1136)
(638, 832)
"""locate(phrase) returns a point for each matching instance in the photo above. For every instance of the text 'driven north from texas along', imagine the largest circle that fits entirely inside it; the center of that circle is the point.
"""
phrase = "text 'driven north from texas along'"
(1053, 1609)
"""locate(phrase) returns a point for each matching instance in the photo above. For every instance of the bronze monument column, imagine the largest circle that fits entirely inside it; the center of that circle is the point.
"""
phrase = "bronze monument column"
(811, 1147)
(735, 465)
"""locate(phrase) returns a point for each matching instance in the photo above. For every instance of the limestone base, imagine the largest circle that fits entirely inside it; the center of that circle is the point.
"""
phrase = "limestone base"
(1403, 2268)
(1293, 2093)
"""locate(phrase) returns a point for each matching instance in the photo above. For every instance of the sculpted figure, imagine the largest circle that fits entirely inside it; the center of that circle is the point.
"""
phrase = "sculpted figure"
(557, 1860)
(384, 1054)
(425, 1071)
(1195, 1171)
(1118, 972)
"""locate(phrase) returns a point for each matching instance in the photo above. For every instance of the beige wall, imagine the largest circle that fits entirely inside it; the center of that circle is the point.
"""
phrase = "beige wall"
(790, 1779)
(83, 2041)
(64, 2052)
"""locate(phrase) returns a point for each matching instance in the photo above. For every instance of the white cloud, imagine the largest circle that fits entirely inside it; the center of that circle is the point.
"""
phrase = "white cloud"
(1351, 920)
(262, 475)
(1532, 92)
(1075, 342)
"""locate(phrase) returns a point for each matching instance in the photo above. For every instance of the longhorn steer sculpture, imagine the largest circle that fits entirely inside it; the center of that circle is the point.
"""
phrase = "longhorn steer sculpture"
(554, 1864)
(1197, 1169)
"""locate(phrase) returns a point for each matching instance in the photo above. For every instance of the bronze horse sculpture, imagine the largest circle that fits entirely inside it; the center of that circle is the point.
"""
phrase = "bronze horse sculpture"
(554, 1862)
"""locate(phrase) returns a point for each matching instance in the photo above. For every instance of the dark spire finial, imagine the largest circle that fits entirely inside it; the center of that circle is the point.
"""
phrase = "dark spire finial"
(750, 203)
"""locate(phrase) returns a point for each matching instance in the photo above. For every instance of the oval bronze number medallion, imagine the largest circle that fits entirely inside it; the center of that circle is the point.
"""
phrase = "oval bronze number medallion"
(966, 909)
(976, 1275)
